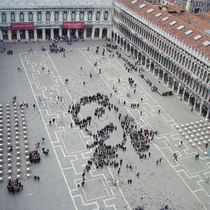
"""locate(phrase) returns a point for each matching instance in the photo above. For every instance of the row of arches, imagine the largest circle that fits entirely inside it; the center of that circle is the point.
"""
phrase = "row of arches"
(50, 33)
(181, 82)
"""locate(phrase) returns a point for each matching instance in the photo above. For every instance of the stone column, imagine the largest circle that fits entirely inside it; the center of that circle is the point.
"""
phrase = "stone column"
(8, 17)
(60, 32)
(85, 15)
(77, 33)
(205, 95)
(35, 34)
(44, 34)
(173, 86)
(60, 16)
(201, 105)
(43, 16)
(25, 16)
(150, 66)
(93, 33)
(109, 15)
(163, 77)
(194, 104)
(9, 35)
(84, 33)
(158, 74)
(188, 102)
(94, 15)
(34, 16)
(207, 114)
(0, 17)
(178, 89)
(52, 16)
(100, 33)
(183, 94)
(52, 33)
(206, 78)
(18, 34)
(17, 16)
(168, 82)
(1, 35)
(153, 71)
(102, 15)
(77, 15)
(68, 33)
(109, 33)
(68, 16)
(27, 35)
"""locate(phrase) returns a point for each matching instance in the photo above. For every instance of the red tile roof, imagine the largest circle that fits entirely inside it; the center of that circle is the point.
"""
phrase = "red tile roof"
(180, 19)
(204, 16)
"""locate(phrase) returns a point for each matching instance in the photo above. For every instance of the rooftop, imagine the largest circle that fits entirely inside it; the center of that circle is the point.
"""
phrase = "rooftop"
(185, 27)
(204, 16)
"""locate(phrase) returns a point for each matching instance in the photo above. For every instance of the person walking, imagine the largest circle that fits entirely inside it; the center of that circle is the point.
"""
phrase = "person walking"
(157, 162)
(142, 197)
(158, 111)
(83, 183)
(196, 156)
(206, 145)
(137, 174)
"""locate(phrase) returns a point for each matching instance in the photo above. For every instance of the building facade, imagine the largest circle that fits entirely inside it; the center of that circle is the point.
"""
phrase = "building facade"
(161, 43)
(48, 22)
(172, 49)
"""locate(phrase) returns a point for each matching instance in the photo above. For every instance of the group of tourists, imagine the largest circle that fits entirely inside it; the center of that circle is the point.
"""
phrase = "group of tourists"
(34, 156)
(14, 186)
(55, 49)
(101, 99)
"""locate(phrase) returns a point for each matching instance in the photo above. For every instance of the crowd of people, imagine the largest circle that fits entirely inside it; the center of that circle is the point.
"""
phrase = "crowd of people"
(34, 156)
(14, 186)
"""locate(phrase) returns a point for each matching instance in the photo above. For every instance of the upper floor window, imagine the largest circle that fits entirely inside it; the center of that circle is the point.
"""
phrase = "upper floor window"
(98, 15)
(47, 16)
(30, 16)
(106, 15)
(73, 16)
(90, 15)
(3, 17)
(64, 16)
(39, 16)
(21, 17)
(81, 16)
(12, 17)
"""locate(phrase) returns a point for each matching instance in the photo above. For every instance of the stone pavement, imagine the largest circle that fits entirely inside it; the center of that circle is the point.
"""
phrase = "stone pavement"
(180, 184)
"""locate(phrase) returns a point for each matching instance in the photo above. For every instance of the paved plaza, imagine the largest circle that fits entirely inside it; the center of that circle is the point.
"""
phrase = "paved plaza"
(179, 184)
